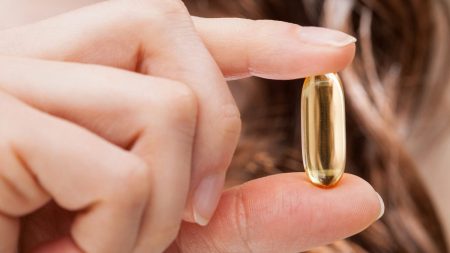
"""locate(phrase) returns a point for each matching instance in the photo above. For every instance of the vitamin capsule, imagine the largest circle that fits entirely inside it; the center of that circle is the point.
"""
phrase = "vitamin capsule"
(323, 129)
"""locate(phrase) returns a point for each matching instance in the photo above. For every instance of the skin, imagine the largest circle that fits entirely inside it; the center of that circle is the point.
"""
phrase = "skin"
(121, 189)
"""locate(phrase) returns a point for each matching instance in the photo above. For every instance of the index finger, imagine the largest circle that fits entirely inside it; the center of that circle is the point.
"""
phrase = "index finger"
(241, 47)
(127, 34)
(283, 213)
(274, 49)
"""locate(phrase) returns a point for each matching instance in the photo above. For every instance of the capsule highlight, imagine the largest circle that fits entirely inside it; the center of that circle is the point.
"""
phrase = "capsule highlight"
(323, 129)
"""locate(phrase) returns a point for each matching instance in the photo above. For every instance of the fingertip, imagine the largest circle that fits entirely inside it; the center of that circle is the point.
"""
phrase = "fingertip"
(345, 56)
(358, 193)
(285, 55)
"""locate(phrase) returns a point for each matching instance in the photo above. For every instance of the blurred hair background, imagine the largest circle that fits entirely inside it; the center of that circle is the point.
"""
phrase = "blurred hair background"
(398, 112)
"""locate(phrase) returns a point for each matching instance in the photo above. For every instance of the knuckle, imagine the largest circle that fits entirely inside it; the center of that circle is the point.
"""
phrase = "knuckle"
(18, 188)
(132, 185)
(173, 103)
(231, 118)
(179, 103)
(171, 6)
(181, 99)
(229, 126)
(151, 11)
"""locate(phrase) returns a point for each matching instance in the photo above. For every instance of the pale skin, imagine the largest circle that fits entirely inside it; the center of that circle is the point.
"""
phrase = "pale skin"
(119, 112)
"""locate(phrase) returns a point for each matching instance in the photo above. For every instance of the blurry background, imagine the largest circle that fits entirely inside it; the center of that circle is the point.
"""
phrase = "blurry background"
(398, 112)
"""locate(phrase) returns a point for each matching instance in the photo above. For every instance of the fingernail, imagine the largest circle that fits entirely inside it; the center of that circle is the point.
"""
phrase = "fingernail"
(206, 197)
(381, 206)
(325, 37)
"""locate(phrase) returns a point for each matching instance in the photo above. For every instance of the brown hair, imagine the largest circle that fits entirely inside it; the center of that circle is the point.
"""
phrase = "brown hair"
(399, 73)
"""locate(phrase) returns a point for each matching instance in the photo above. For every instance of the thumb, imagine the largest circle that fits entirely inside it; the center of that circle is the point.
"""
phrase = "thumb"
(283, 213)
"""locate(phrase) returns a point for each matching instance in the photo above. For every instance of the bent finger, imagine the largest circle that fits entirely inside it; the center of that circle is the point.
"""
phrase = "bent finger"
(67, 163)
(283, 213)
(159, 39)
(152, 117)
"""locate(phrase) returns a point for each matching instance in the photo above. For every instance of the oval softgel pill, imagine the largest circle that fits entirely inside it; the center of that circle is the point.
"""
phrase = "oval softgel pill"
(323, 129)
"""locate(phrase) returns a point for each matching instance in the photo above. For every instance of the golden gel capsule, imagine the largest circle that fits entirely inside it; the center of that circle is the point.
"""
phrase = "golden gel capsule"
(323, 129)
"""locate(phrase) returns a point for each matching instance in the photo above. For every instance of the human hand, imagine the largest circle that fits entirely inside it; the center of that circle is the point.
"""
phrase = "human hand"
(106, 178)
(280, 213)
(120, 40)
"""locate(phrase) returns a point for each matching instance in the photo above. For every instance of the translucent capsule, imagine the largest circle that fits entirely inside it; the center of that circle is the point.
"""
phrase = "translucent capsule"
(323, 129)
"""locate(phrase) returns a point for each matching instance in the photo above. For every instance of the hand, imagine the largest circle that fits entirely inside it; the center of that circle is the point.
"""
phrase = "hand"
(283, 213)
(109, 25)
(156, 38)
(280, 213)
(108, 179)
